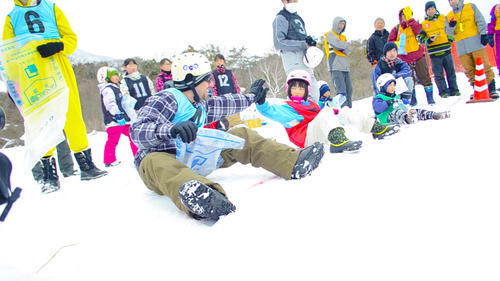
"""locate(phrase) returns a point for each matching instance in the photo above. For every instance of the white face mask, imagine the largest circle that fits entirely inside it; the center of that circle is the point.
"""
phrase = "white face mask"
(292, 7)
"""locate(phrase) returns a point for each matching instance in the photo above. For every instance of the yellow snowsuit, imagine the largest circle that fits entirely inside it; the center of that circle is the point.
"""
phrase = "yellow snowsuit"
(75, 129)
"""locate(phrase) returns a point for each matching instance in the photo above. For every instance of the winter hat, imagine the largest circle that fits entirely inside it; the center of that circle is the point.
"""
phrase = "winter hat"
(429, 5)
(111, 72)
(323, 89)
(389, 46)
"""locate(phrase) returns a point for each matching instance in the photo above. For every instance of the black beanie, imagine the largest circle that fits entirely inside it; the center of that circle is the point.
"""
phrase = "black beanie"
(430, 4)
(389, 46)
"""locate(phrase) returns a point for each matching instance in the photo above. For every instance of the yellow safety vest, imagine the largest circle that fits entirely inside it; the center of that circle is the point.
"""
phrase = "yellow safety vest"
(466, 24)
(436, 27)
(497, 15)
(411, 44)
(327, 46)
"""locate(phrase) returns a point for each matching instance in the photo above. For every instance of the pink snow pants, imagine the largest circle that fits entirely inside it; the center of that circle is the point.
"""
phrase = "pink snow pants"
(114, 134)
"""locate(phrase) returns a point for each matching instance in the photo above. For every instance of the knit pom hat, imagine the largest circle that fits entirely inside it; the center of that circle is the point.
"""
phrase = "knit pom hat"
(389, 46)
(323, 89)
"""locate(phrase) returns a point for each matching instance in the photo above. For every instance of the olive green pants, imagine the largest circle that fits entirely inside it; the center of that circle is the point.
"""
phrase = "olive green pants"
(163, 174)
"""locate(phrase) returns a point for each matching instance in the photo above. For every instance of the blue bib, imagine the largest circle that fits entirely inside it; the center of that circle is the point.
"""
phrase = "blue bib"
(185, 109)
(39, 20)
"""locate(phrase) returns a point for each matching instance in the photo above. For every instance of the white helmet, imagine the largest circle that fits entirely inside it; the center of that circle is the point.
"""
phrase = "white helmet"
(300, 75)
(313, 57)
(189, 70)
(102, 73)
(384, 80)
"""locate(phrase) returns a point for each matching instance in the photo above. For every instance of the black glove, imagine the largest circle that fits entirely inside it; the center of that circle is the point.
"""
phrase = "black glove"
(186, 130)
(259, 91)
(50, 49)
(222, 124)
(484, 39)
(453, 23)
(389, 102)
(491, 40)
(310, 41)
(2, 119)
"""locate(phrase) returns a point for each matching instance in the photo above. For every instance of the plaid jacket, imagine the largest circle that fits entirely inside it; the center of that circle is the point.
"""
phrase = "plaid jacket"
(151, 131)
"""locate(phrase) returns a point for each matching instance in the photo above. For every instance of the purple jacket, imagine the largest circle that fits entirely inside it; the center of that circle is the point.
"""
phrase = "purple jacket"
(151, 131)
(161, 79)
(493, 22)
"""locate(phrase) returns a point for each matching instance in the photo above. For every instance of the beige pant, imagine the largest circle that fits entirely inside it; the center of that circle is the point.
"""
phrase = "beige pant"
(468, 61)
(163, 174)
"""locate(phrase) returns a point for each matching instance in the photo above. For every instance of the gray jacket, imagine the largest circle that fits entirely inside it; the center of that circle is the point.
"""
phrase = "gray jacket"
(281, 43)
(337, 62)
(473, 43)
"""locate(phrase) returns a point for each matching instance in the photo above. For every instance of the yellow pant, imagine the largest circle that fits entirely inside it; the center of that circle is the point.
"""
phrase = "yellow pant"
(75, 129)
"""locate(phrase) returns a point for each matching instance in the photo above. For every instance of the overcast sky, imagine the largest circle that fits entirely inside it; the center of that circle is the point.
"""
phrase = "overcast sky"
(156, 28)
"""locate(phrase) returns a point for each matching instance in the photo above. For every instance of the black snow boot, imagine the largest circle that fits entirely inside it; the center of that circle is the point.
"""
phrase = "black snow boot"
(380, 131)
(203, 201)
(88, 170)
(340, 143)
(493, 90)
(50, 180)
(308, 160)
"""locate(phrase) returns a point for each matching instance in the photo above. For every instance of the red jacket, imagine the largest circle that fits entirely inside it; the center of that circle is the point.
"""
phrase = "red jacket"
(416, 28)
(298, 133)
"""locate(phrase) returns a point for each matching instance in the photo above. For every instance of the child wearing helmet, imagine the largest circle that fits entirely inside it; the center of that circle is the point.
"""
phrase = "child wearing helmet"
(177, 113)
(303, 119)
(116, 120)
(389, 108)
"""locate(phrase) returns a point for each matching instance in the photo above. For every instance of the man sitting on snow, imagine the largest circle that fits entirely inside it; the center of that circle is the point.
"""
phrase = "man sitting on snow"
(178, 113)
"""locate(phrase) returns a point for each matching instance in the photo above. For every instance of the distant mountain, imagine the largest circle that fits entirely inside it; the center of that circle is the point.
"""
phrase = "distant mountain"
(80, 56)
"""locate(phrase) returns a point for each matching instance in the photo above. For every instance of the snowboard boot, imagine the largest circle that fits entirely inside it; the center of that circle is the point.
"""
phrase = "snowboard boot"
(440, 115)
(380, 131)
(203, 201)
(429, 93)
(308, 160)
(493, 90)
(50, 180)
(88, 170)
(411, 116)
(340, 143)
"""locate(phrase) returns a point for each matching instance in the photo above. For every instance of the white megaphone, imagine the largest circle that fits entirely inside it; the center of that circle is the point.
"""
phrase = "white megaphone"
(313, 57)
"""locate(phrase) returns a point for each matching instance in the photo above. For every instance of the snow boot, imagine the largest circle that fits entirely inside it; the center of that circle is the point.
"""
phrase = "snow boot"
(340, 143)
(203, 201)
(308, 160)
(493, 90)
(411, 116)
(380, 131)
(428, 92)
(70, 173)
(413, 101)
(88, 170)
(440, 115)
(50, 180)
(116, 163)
(7, 196)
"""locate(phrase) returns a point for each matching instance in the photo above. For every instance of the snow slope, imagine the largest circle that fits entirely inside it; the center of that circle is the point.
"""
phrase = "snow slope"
(420, 205)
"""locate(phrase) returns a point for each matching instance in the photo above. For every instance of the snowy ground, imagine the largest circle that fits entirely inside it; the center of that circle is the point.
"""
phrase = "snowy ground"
(421, 205)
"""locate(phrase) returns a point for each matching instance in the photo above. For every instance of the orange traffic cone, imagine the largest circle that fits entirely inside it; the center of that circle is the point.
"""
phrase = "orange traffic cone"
(481, 92)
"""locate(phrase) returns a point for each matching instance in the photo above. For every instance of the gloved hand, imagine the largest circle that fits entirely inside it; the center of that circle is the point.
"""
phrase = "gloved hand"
(49, 49)
(186, 130)
(408, 13)
(389, 102)
(259, 92)
(404, 24)
(310, 41)
(120, 119)
(452, 23)
(484, 39)
(491, 40)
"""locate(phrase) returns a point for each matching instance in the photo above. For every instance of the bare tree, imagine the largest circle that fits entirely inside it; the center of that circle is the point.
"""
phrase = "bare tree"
(273, 72)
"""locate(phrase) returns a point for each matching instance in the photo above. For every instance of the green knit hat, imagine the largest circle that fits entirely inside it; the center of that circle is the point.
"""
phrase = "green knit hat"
(111, 71)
